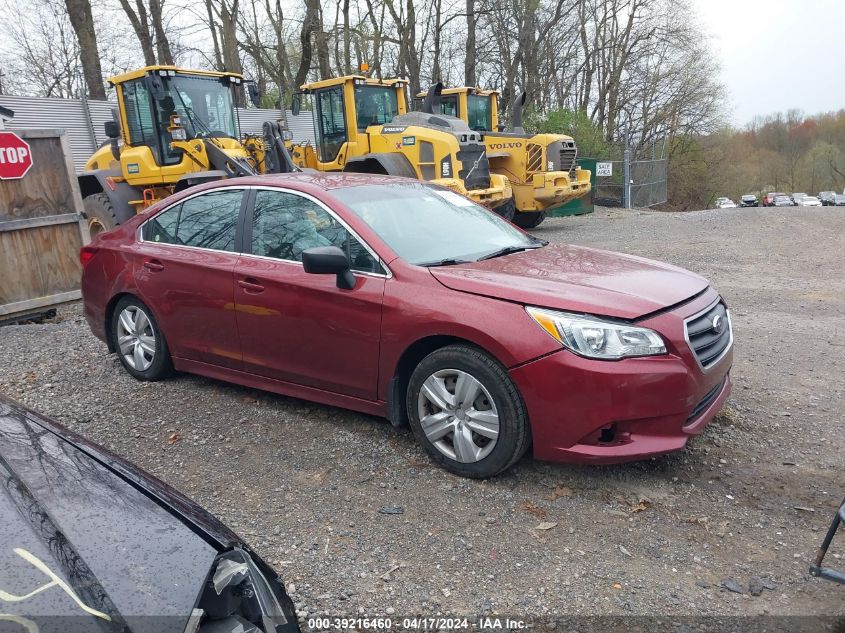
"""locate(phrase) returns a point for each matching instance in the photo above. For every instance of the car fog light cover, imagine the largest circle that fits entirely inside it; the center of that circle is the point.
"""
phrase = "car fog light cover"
(595, 338)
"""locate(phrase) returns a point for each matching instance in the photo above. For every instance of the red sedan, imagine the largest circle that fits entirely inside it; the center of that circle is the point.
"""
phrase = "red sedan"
(402, 299)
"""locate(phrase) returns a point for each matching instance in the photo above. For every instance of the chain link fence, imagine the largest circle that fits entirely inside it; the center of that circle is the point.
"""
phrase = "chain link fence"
(648, 186)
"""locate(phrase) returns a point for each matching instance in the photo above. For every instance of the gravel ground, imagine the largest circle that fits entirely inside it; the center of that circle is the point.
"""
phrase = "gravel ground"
(745, 506)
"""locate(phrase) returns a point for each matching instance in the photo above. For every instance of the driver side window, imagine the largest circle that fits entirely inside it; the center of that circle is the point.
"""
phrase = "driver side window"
(330, 119)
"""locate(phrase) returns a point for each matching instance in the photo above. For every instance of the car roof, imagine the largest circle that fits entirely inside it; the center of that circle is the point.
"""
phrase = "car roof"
(321, 180)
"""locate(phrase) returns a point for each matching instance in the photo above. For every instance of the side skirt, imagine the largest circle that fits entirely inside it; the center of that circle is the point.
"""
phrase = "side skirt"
(281, 387)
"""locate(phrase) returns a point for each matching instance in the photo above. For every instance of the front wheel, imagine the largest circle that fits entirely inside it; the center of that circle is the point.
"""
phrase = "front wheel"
(529, 219)
(507, 210)
(100, 213)
(467, 413)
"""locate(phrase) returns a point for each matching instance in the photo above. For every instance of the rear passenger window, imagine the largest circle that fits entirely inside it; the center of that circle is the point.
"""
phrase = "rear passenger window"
(205, 221)
(285, 224)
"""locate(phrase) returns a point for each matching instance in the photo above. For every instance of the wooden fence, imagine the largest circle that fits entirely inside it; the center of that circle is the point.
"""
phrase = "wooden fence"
(41, 230)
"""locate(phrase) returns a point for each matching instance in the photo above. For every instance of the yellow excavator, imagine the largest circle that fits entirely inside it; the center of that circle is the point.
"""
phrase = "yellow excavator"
(173, 128)
(362, 124)
(541, 168)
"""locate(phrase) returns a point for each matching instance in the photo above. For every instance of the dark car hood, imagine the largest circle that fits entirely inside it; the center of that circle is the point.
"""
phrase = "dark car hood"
(577, 279)
(64, 515)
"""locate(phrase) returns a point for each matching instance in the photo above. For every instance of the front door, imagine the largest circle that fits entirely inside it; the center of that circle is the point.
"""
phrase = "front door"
(331, 123)
(300, 327)
(184, 268)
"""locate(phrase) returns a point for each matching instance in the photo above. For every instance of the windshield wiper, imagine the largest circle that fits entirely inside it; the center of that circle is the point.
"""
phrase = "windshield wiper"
(507, 250)
(449, 261)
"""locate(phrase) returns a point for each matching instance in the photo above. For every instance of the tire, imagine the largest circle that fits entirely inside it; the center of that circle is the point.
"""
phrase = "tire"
(529, 219)
(145, 357)
(507, 210)
(495, 406)
(99, 213)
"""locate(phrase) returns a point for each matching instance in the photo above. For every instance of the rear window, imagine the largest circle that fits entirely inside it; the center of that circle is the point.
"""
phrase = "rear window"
(205, 221)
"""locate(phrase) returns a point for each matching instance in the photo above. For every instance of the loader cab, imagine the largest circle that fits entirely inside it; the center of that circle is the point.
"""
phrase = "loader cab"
(479, 108)
(344, 107)
(160, 106)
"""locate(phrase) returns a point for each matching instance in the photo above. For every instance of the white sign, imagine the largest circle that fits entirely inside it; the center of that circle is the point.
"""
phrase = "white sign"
(604, 169)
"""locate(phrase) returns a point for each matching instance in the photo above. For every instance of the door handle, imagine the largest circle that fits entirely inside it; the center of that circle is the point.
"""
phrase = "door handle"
(154, 265)
(250, 285)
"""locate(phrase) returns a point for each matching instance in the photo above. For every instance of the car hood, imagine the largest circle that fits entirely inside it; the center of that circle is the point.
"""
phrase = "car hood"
(114, 555)
(577, 279)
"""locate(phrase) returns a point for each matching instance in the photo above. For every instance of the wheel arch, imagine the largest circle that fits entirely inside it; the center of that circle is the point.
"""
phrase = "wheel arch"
(119, 193)
(390, 164)
(408, 361)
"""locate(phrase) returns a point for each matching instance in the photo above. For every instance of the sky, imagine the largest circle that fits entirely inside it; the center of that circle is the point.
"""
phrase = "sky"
(795, 45)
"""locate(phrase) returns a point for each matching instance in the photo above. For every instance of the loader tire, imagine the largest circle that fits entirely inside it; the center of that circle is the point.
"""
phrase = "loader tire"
(529, 219)
(99, 213)
(507, 210)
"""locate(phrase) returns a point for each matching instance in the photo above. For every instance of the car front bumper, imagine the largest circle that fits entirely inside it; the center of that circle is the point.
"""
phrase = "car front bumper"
(590, 411)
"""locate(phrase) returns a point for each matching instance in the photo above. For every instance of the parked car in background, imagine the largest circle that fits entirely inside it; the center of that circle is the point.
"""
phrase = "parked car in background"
(797, 198)
(769, 198)
(839, 200)
(828, 198)
(399, 298)
(93, 543)
(749, 200)
(810, 201)
(725, 203)
(783, 201)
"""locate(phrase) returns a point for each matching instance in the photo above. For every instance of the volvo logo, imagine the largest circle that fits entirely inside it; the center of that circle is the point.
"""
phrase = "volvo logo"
(718, 324)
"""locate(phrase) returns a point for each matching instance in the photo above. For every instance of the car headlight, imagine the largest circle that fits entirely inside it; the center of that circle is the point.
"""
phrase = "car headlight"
(596, 338)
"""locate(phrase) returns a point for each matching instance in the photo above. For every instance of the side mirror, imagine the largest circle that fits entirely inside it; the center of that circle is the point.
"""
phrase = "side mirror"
(155, 86)
(329, 260)
(295, 105)
(112, 129)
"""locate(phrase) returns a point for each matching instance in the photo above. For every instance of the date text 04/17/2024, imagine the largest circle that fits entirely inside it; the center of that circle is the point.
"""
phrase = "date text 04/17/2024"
(418, 623)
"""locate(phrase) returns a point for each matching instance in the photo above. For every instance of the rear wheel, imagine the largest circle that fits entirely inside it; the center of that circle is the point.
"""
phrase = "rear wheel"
(139, 342)
(467, 413)
(529, 219)
(100, 213)
(507, 210)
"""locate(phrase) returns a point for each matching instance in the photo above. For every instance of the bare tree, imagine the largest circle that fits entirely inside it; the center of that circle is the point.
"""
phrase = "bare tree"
(82, 20)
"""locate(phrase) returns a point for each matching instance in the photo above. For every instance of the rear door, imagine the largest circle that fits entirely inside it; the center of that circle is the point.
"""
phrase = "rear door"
(184, 271)
(300, 327)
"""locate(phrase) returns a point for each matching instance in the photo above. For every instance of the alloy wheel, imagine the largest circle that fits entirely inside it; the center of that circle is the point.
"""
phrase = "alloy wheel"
(458, 415)
(136, 338)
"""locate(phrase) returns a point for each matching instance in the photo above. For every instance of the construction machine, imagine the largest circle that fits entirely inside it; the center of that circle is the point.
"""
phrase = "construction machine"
(540, 167)
(172, 128)
(362, 124)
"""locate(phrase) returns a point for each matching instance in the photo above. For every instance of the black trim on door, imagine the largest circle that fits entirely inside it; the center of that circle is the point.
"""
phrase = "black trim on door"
(243, 241)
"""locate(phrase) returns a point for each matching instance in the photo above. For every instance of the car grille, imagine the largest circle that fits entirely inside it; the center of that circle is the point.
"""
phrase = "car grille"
(709, 344)
(706, 401)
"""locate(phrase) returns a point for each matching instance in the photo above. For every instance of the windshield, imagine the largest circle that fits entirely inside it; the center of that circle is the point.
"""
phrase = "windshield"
(375, 105)
(480, 113)
(205, 105)
(429, 225)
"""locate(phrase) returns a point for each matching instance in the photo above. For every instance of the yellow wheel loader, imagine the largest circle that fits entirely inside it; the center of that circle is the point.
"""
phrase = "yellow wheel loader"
(172, 128)
(363, 125)
(540, 167)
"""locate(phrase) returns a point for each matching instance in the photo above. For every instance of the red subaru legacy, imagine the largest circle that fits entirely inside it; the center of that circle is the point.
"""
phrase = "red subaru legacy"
(402, 299)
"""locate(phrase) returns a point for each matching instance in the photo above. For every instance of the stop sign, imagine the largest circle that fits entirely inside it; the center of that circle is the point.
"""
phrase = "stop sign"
(15, 156)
